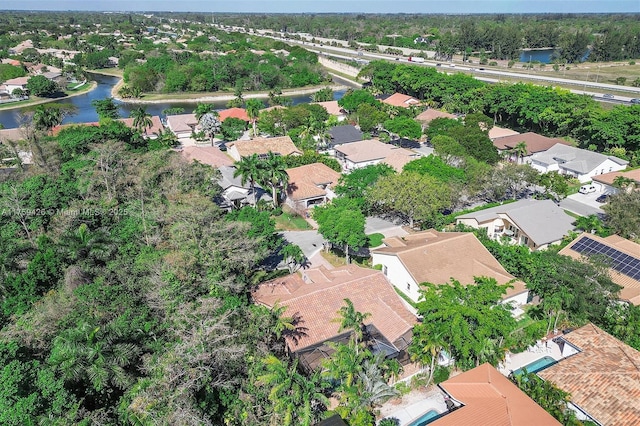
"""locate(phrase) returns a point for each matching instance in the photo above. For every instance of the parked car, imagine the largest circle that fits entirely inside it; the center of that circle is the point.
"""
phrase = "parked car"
(608, 96)
(604, 198)
(587, 189)
(635, 101)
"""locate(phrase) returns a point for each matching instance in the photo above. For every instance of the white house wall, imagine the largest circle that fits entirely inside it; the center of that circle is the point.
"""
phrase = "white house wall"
(397, 274)
(606, 167)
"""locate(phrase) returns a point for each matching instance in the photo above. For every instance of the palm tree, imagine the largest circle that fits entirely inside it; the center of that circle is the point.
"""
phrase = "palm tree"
(46, 118)
(141, 119)
(249, 169)
(350, 319)
(374, 389)
(520, 151)
(274, 174)
(202, 109)
(210, 124)
(296, 400)
(253, 111)
(427, 346)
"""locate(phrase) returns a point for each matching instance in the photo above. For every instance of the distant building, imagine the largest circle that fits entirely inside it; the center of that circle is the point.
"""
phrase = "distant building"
(534, 142)
(282, 145)
(369, 152)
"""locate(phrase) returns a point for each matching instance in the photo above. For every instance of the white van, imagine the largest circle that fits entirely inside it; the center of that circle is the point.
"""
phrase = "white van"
(587, 189)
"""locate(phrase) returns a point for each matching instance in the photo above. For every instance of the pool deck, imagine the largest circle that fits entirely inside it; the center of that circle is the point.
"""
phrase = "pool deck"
(412, 412)
(513, 362)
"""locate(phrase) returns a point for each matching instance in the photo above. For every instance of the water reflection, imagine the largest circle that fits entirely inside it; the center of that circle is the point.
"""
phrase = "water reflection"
(86, 112)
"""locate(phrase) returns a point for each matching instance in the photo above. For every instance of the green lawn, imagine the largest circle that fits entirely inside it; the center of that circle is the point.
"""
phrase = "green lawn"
(375, 240)
(290, 222)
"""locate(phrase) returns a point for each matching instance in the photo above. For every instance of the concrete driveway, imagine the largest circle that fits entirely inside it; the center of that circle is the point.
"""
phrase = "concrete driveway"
(583, 204)
(385, 227)
(309, 241)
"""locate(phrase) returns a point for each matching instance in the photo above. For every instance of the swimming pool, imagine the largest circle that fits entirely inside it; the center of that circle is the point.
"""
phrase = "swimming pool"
(424, 419)
(537, 365)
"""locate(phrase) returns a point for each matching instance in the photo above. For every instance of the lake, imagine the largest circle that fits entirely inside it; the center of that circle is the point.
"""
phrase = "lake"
(86, 112)
(544, 56)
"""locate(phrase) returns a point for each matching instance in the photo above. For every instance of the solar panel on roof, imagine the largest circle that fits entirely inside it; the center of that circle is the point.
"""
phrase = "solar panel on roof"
(619, 261)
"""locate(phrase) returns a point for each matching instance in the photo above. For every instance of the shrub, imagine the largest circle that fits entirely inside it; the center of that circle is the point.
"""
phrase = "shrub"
(493, 63)
(511, 63)
(440, 374)
(632, 62)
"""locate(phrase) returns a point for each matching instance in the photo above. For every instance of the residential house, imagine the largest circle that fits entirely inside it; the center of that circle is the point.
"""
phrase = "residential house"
(606, 182)
(534, 143)
(239, 113)
(21, 47)
(603, 377)
(437, 257)
(401, 100)
(344, 134)
(313, 298)
(16, 83)
(236, 194)
(483, 396)
(182, 125)
(310, 185)
(369, 152)
(579, 163)
(431, 114)
(149, 132)
(10, 138)
(533, 223)
(209, 155)
(334, 109)
(500, 132)
(281, 145)
(622, 256)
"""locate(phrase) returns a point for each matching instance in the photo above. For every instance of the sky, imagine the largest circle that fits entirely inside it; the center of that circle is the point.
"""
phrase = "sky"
(335, 6)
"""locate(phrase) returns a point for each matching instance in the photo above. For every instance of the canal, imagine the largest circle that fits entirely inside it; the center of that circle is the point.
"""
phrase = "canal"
(86, 113)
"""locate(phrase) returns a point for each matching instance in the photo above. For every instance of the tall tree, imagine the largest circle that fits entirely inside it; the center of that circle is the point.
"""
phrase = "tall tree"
(141, 119)
(274, 175)
(202, 109)
(350, 319)
(342, 224)
(250, 170)
(210, 124)
(253, 107)
(106, 108)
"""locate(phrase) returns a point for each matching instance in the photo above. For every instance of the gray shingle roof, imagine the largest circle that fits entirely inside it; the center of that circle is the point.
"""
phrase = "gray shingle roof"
(344, 134)
(542, 220)
(575, 159)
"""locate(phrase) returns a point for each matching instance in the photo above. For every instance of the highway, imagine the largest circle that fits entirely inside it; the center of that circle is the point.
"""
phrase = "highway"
(481, 73)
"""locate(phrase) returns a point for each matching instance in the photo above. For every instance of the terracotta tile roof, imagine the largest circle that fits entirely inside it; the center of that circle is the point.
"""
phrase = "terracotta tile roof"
(156, 125)
(181, 122)
(401, 100)
(608, 178)
(18, 81)
(436, 257)
(282, 145)
(431, 114)
(500, 132)
(332, 107)
(397, 160)
(240, 113)
(317, 295)
(603, 379)
(489, 398)
(535, 142)
(11, 135)
(630, 287)
(209, 155)
(369, 150)
(305, 181)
